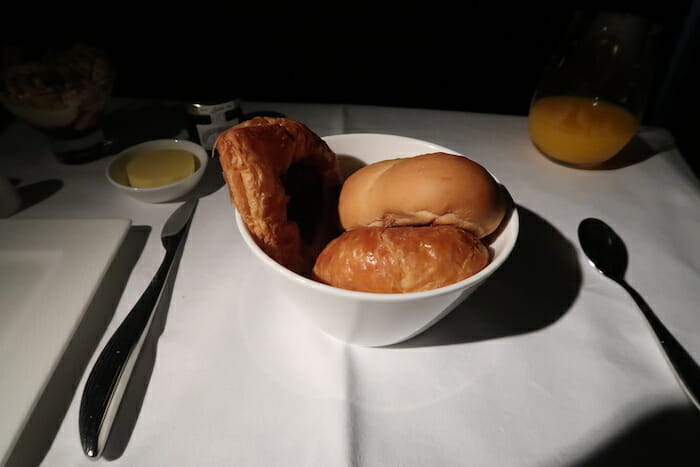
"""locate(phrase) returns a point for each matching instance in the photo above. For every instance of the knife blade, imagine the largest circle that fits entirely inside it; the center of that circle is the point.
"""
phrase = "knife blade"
(112, 370)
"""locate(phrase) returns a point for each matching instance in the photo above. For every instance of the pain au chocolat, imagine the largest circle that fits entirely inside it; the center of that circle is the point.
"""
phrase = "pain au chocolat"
(400, 259)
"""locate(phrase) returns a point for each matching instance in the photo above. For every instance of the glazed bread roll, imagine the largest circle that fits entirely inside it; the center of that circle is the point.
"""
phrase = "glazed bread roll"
(430, 189)
(400, 259)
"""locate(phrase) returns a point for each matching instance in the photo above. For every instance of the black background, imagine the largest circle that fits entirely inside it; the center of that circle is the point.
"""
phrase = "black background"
(481, 57)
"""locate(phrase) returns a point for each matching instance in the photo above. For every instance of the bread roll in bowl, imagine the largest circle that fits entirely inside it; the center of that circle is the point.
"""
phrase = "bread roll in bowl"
(400, 259)
(429, 189)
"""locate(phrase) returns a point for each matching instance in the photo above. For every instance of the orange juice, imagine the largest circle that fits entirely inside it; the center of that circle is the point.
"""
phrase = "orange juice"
(580, 130)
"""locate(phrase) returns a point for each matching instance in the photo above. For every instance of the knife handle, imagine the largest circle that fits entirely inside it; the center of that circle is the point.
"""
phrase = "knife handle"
(110, 375)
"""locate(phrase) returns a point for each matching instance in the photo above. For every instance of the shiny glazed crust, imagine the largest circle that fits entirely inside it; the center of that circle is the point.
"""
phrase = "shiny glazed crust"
(430, 189)
(400, 259)
(254, 156)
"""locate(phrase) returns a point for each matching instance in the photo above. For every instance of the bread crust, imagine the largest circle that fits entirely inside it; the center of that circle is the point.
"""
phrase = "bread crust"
(255, 156)
(400, 259)
(429, 189)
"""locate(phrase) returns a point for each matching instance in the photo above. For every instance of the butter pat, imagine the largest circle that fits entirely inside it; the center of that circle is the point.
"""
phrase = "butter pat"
(157, 168)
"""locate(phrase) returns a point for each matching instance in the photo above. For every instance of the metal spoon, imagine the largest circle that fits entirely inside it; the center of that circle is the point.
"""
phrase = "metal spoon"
(607, 253)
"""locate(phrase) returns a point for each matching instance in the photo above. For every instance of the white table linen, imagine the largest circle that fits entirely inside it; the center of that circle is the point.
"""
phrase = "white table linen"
(548, 364)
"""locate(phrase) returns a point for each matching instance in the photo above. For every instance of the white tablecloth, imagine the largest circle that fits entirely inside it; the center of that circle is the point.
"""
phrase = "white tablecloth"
(548, 364)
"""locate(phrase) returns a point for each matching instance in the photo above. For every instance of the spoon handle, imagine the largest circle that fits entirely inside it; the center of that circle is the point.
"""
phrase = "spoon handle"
(684, 366)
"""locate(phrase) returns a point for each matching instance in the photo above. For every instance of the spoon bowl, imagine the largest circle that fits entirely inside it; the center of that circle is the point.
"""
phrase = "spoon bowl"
(604, 248)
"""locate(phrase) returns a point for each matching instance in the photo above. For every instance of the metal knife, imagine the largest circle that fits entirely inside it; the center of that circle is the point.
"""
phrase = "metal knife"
(111, 373)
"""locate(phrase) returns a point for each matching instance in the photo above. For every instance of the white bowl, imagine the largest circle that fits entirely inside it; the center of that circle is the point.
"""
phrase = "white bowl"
(374, 319)
(116, 173)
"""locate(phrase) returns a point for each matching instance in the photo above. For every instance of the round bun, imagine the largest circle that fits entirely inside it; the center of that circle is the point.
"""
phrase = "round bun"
(259, 158)
(430, 189)
(400, 259)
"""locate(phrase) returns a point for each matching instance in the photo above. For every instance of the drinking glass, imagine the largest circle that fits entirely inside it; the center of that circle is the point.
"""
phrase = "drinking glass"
(591, 98)
(62, 92)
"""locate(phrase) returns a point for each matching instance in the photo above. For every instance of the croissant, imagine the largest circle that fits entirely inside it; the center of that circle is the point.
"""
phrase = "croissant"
(284, 181)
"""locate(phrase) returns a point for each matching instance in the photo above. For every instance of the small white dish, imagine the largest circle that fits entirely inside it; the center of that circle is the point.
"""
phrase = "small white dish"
(50, 270)
(116, 171)
(375, 319)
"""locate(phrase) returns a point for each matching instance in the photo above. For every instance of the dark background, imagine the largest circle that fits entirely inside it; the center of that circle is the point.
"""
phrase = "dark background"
(481, 57)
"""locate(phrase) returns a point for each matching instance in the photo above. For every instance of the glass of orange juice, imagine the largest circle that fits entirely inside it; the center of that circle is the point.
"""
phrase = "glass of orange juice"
(591, 98)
